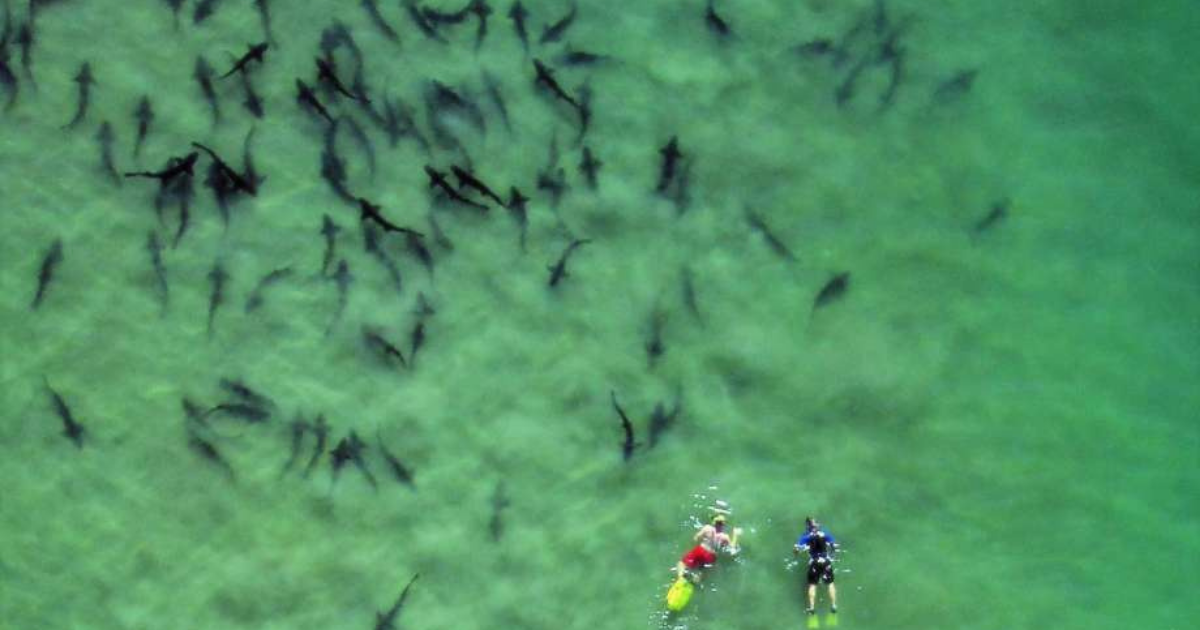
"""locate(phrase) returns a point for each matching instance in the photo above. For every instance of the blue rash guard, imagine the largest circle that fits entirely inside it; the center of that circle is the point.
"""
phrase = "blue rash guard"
(818, 546)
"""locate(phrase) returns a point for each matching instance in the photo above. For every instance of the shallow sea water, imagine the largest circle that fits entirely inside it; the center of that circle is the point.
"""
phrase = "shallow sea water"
(999, 426)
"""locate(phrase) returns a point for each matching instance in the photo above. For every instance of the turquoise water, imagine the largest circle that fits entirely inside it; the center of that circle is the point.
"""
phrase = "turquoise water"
(998, 426)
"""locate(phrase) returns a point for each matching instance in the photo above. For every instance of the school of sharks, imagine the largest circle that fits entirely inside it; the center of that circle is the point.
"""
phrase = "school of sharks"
(352, 118)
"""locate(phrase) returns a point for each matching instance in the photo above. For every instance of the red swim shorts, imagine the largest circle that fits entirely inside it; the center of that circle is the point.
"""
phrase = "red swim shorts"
(699, 557)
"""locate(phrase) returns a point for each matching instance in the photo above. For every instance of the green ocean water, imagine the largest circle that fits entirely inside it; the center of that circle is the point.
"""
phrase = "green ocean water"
(998, 426)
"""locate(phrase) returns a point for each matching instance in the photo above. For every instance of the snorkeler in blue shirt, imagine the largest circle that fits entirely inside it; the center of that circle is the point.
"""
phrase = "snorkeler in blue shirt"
(820, 547)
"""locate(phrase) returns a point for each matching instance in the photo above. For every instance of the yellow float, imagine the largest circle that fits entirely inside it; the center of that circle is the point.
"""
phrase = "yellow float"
(680, 594)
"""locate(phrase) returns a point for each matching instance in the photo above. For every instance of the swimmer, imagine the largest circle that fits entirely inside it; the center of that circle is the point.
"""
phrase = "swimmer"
(710, 539)
(820, 547)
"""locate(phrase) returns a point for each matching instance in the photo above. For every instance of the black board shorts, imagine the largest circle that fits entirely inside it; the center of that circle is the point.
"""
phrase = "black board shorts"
(820, 572)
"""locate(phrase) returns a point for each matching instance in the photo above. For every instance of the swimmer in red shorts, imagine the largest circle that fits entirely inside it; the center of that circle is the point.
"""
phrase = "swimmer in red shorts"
(711, 538)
